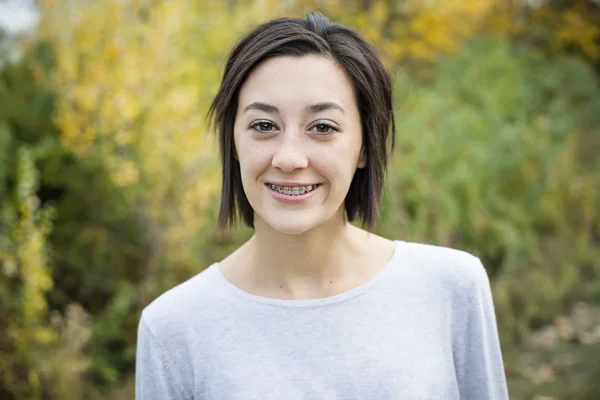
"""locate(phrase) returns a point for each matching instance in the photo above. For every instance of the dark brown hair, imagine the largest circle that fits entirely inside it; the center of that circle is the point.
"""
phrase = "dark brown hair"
(372, 87)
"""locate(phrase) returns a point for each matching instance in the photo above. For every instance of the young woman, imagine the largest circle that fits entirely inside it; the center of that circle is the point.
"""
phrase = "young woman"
(312, 307)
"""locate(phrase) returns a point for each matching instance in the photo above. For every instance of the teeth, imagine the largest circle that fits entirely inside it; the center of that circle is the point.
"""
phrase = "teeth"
(293, 191)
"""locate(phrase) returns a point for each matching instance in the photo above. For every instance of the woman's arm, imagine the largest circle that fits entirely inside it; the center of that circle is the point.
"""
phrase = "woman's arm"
(156, 374)
(476, 346)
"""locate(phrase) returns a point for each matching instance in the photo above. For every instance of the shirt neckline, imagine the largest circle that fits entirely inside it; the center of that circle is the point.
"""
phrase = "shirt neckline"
(362, 288)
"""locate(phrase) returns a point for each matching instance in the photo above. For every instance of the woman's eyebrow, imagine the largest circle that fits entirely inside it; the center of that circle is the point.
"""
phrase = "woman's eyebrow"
(327, 105)
(257, 105)
(313, 108)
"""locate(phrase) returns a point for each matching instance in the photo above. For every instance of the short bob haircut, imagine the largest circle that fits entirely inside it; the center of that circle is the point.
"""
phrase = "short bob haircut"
(372, 86)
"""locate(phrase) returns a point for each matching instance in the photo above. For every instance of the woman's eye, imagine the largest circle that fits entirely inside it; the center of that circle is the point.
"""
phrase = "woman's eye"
(323, 128)
(263, 126)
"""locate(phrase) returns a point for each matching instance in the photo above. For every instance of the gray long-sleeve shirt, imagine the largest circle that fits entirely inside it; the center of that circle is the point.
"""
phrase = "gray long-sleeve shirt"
(423, 328)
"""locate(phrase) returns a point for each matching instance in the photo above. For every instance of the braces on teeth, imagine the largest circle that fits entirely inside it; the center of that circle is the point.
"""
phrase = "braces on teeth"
(293, 191)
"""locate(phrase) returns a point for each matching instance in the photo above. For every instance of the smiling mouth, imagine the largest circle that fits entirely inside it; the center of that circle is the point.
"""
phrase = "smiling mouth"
(294, 190)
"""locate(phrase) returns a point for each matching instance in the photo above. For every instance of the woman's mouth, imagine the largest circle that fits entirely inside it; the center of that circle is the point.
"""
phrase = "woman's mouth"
(293, 190)
(292, 194)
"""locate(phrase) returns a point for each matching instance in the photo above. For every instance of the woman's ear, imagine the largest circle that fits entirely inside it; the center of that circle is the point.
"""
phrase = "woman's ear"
(362, 159)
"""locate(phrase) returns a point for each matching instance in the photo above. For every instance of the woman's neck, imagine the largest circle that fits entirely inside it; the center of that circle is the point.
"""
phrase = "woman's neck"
(328, 260)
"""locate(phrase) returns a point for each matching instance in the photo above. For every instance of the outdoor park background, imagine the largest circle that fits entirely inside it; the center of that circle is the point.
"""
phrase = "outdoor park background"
(109, 183)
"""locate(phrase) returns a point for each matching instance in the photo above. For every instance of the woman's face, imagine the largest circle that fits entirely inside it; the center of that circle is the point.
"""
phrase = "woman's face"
(298, 140)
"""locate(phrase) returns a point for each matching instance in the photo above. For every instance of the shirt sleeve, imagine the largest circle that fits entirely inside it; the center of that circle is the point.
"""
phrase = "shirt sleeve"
(476, 346)
(156, 376)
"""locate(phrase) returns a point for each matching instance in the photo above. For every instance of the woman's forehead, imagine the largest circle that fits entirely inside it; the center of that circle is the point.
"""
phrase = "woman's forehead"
(297, 81)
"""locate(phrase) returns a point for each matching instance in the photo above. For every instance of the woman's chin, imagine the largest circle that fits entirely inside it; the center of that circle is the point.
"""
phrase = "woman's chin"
(293, 228)
(292, 225)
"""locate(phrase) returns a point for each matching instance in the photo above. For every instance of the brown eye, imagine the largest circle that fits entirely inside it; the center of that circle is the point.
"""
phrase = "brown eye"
(262, 126)
(323, 128)
(265, 126)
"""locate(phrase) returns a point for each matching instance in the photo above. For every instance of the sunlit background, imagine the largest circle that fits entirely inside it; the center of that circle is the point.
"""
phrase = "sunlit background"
(109, 179)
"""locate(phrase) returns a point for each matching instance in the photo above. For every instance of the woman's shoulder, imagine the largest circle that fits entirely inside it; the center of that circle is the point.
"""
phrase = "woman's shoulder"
(182, 302)
(458, 269)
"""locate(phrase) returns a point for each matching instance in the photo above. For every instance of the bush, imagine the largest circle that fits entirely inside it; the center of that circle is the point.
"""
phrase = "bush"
(498, 155)
(67, 242)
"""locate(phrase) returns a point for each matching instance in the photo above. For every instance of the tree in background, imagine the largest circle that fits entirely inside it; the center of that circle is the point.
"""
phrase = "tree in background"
(29, 152)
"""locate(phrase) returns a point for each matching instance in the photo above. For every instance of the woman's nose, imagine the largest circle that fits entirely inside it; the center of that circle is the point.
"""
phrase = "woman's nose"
(289, 154)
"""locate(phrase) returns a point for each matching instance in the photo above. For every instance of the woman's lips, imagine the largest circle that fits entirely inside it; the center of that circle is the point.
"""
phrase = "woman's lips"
(284, 198)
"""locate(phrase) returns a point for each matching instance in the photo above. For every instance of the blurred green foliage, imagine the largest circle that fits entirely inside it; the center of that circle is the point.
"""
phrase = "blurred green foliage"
(491, 161)
(66, 238)
(498, 154)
